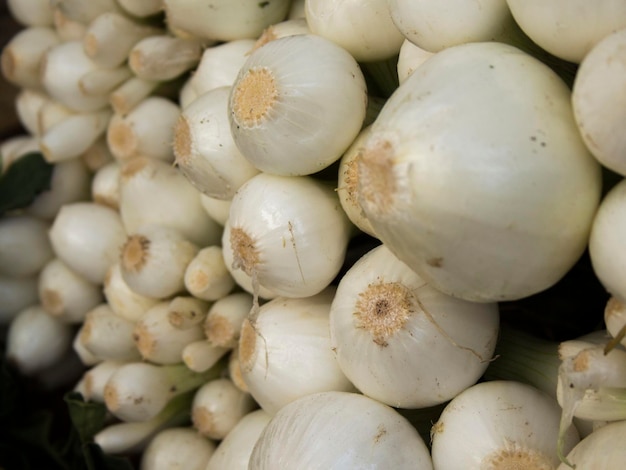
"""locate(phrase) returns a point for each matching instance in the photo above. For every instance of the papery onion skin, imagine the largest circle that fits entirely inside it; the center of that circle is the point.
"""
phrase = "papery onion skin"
(339, 430)
(478, 180)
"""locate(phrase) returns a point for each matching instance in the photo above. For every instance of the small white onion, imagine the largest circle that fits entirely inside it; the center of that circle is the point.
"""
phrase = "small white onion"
(297, 104)
(233, 452)
(16, 294)
(177, 447)
(599, 100)
(222, 325)
(147, 130)
(24, 245)
(499, 424)
(225, 20)
(608, 230)
(285, 351)
(434, 26)
(339, 430)
(204, 147)
(65, 294)
(154, 192)
(154, 259)
(160, 342)
(385, 320)
(568, 28)
(364, 29)
(602, 449)
(294, 243)
(87, 237)
(62, 68)
(31, 12)
(206, 275)
(218, 406)
(409, 58)
(36, 340)
(123, 300)
(219, 66)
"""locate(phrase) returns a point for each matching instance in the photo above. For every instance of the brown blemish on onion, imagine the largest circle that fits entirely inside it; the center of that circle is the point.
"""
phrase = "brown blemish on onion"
(219, 330)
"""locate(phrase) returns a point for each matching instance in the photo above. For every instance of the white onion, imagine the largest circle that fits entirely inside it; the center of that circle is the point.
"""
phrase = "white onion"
(401, 341)
(285, 351)
(475, 179)
(294, 243)
(339, 430)
(297, 104)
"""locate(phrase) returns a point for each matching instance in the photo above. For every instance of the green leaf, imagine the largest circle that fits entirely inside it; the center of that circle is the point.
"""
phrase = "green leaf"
(88, 418)
(23, 180)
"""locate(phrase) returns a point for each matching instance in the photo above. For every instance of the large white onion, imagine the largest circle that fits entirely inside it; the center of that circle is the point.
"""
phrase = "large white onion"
(339, 430)
(475, 175)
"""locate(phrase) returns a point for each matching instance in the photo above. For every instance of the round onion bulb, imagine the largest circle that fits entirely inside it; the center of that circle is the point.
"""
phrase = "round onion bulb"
(499, 425)
(339, 430)
(152, 191)
(294, 243)
(599, 100)
(568, 28)
(87, 237)
(608, 258)
(365, 29)
(204, 147)
(285, 351)
(475, 175)
(297, 104)
(403, 342)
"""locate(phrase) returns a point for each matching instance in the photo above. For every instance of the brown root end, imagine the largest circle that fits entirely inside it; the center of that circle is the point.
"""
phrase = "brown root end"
(234, 372)
(376, 182)
(135, 253)
(203, 420)
(268, 35)
(8, 64)
(245, 254)
(581, 361)
(111, 398)
(516, 459)
(144, 341)
(197, 281)
(52, 302)
(90, 45)
(247, 345)
(122, 139)
(132, 167)
(254, 97)
(383, 309)
(219, 331)
(136, 61)
(107, 201)
(613, 308)
(182, 141)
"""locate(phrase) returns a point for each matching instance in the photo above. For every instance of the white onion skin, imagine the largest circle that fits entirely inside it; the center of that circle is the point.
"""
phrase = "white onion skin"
(486, 190)
(568, 28)
(599, 100)
(606, 241)
(457, 337)
(299, 233)
(498, 416)
(285, 352)
(233, 452)
(87, 237)
(602, 449)
(339, 430)
(310, 114)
